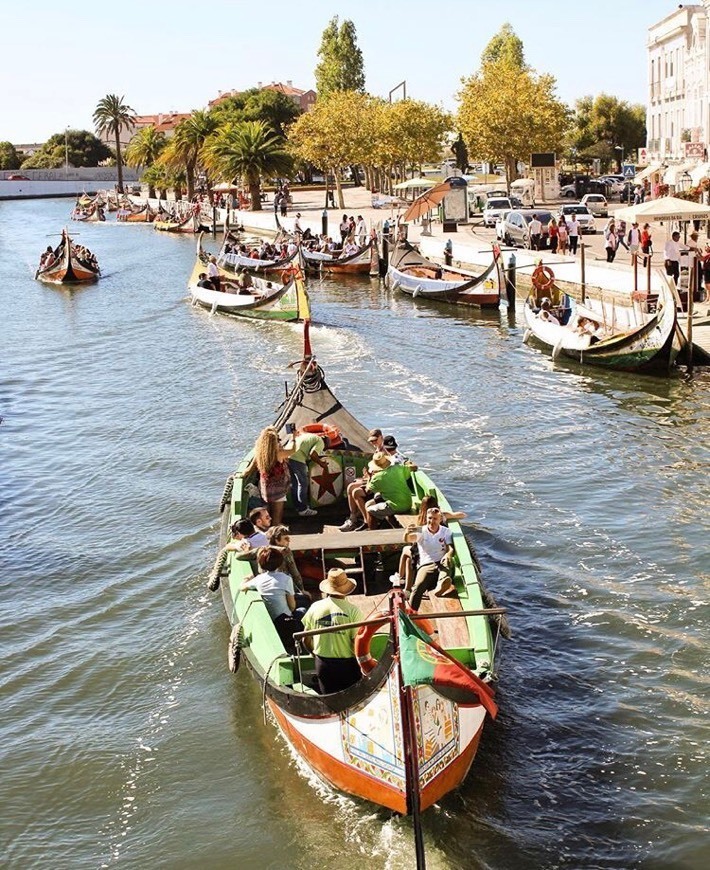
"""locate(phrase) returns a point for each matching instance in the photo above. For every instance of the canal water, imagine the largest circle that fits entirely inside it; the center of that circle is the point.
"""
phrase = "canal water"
(126, 742)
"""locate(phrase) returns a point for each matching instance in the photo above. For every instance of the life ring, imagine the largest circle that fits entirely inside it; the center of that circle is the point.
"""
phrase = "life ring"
(362, 646)
(366, 632)
(543, 277)
(286, 276)
(330, 434)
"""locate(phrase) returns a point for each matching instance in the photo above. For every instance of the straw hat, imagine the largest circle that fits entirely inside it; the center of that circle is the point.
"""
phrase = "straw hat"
(379, 461)
(337, 583)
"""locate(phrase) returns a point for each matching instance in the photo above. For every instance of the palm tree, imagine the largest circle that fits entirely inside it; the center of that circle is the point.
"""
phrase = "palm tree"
(249, 150)
(111, 116)
(185, 148)
(144, 149)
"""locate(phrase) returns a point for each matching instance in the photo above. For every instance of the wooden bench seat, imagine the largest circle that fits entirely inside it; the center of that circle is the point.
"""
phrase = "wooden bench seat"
(378, 539)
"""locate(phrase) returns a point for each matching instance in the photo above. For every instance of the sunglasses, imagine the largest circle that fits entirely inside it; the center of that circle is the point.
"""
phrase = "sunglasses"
(433, 511)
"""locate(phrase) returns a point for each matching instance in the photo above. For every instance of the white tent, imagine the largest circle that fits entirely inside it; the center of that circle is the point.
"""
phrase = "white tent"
(647, 172)
(666, 208)
(416, 184)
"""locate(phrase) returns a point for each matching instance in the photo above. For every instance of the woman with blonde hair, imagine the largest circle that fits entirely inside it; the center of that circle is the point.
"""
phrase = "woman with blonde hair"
(271, 461)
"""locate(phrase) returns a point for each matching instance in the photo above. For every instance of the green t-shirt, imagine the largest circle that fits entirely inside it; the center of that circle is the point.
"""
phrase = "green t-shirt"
(325, 613)
(306, 443)
(391, 483)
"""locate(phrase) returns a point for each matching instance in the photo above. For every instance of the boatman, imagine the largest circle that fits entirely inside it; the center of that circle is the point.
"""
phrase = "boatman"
(334, 652)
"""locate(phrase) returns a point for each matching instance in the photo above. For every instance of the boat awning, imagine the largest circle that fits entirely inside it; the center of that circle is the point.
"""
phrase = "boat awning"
(674, 174)
(702, 170)
(647, 172)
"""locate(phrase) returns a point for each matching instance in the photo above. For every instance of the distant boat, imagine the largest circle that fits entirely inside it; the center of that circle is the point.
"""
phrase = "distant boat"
(584, 334)
(363, 261)
(415, 275)
(67, 267)
(188, 224)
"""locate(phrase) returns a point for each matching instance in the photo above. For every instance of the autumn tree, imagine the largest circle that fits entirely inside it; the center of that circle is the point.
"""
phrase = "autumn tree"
(506, 112)
(341, 65)
(505, 45)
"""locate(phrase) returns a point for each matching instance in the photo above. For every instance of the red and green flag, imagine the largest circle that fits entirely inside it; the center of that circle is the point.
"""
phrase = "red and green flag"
(425, 663)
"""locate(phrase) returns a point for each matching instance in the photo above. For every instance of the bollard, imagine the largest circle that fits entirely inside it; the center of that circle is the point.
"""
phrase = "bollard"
(324, 222)
(510, 281)
(384, 259)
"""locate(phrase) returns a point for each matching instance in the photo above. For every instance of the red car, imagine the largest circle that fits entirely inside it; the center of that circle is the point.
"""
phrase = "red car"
(17, 178)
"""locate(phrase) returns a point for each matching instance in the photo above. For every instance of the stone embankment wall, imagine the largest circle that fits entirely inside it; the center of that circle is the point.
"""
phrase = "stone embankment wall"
(61, 182)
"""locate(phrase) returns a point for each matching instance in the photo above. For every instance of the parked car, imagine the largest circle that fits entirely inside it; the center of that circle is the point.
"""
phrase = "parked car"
(17, 177)
(596, 203)
(514, 228)
(615, 183)
(493, 209)
(583, 215)
(568, 191)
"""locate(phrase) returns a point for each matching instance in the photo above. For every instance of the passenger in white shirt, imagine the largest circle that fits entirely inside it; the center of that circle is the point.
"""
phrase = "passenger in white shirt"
(436, 549)
(671, 252)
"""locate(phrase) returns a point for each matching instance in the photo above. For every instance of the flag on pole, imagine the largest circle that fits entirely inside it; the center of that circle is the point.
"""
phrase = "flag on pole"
(425, 663)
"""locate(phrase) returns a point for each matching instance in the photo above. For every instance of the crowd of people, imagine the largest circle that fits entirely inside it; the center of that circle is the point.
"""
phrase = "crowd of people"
(54, 255)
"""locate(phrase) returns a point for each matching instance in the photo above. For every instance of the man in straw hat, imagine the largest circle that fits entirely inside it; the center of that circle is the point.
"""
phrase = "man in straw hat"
(334, 653)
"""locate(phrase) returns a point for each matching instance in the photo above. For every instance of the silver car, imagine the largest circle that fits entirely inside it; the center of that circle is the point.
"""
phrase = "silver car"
(514, 229)
(597, 204)
(493, 210)
(584, 216)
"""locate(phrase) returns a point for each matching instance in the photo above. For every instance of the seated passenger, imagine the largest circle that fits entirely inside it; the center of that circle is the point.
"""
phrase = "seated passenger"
(334, 653)
(435, 545)
(389, 485)
(204, 281)
(280, 537)
(409, 559)
(545, 312)
(276, 588)
(246, 536)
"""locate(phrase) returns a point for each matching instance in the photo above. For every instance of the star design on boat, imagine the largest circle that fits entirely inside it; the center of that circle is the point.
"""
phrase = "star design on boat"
(326, 481)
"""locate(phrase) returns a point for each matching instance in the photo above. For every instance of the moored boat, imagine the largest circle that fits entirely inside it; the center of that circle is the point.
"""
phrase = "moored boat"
(363, 261)
(642, 338)
(415, 275)
(168, 224)
(285, 300)
(67, 264)
(131, 214)
(88, 214)
(383, 739)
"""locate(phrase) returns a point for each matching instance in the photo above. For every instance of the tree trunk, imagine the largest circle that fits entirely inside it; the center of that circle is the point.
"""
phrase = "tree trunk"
(355, 171)
(151, 192)
(118, 162)
(255, 194)
(510, 171)
(190, 175)
(339, 188)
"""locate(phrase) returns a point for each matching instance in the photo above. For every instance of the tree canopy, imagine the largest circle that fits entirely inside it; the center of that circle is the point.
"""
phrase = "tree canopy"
(341, 66)
(505, 45)
(81, 148)
(278, 111)
(506, 112)
(601, 123)
(9, 158)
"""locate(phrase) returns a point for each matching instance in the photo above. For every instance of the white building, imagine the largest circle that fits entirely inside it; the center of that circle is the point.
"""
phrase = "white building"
(678, 112)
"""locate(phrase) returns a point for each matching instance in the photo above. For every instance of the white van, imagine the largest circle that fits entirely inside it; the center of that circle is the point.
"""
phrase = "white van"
(524, 189)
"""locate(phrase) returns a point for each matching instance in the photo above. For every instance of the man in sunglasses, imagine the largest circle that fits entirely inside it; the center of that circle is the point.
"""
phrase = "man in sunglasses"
(436, 551)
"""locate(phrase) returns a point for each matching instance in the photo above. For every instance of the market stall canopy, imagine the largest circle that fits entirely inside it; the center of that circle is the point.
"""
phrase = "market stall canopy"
(666, 208)
(647, 172)
(427, 201)
(674, 173)
(702, 170)
(224, 187)
(414, 183)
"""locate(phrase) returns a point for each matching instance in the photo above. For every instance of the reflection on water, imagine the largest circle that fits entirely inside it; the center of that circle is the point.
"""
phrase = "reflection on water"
(127, 741)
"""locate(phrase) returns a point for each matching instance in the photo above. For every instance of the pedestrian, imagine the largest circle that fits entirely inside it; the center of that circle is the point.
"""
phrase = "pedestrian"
(633, 239)
(621, 234)
(361, 231)
(671, 252)
(344, 229)
(611, 241)
(562, 236)
(646, 240)
(283, 205)
(448, 252)
(552, 234)
(573, 229)
(535, 229)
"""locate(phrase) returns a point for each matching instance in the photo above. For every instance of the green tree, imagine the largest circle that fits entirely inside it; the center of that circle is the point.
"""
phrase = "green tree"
(248, 150)
(75, 147)
(601, 125)
(144, 149)
(9, 158)
(112, 115)
(184, 151)
(505, 113)
(341, 65)
(505, 45)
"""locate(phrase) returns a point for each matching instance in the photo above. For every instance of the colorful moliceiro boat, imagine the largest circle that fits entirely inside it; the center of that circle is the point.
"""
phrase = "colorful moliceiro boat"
(268, 300)
(66, 267)
(411, 272)
(638, 338)
(361, 262)
(406, 733)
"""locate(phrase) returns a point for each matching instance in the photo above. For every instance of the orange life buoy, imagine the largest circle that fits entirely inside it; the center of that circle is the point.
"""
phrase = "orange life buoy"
(330, 434)
(362, 646)
(543, 277)
(425, 624)
(286, 276)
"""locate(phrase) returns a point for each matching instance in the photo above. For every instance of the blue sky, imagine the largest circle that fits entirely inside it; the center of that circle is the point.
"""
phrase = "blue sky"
(58, 60)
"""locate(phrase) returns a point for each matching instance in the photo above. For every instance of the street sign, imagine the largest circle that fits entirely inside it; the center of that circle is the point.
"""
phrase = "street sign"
(643, 156)
(628, 170)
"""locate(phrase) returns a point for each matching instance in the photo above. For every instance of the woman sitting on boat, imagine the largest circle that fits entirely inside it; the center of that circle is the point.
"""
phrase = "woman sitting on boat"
(271, 461)
(545, 312)
(334, 653)
(276, 589)
(47, 259)
(280, 537)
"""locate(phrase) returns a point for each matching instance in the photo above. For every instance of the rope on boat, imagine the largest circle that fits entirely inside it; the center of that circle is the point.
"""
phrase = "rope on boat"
(234, 648)
(227, 493)
(263, 688)
(214, 576)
